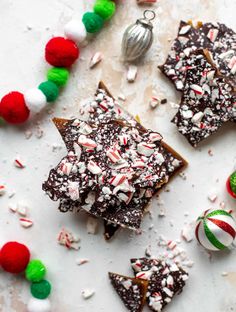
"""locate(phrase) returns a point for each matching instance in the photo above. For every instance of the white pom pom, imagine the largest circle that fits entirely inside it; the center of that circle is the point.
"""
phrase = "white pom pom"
(39, 305)
(35, 100)
(75, 30)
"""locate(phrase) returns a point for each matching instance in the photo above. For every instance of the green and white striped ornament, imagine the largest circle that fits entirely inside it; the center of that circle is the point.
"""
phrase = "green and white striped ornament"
(215, 229)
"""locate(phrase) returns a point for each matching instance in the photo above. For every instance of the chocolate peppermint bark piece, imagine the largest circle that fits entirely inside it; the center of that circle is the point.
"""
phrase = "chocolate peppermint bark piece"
(165, 280)
(132, 291)
(112, 170)
(216, 37)
(208, 100)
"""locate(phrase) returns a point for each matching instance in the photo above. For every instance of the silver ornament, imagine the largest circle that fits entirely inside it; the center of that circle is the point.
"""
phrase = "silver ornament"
(138, 37)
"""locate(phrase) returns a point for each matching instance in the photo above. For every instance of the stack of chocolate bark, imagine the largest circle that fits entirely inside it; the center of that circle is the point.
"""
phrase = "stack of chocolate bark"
(156, 282)
(202, 64)
(114, 165)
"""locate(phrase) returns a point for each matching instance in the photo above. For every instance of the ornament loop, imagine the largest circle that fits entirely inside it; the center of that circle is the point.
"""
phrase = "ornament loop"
(149, 15)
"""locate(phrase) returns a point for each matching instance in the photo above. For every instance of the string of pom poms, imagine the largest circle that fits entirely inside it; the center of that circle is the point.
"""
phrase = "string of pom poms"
(61, 53)
(15, 259)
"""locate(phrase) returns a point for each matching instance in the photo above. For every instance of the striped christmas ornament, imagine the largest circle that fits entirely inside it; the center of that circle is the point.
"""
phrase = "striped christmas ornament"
(215, 229)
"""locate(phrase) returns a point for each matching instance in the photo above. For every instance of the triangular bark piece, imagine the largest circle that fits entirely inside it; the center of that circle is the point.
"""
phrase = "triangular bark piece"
(165, 280)
(132, 291)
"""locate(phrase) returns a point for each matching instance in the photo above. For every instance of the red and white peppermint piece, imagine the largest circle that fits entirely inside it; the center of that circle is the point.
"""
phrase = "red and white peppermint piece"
(118, 179)
(26, 223)
(22, 208)
(138, 163)
(104, 106)
(154, 102)
(123, 139)
(187, 232)
(146, 149)
(66, 238)
(12, 207)
(154, 136)
(184, 30)
(95, 59)
(2, 190)
(197, 89)
(125, 197)
(232, 64)
(82, 261)
(113, 155)
(144, 274)
(18, 163)
(77, 150)
(86, 142)
(87, 293)
(94, 168)
(212, 34)
(65, 168)
(84, 128)
(171, 245)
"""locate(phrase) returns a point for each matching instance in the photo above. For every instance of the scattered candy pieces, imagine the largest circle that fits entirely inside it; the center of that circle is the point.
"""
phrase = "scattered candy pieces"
(95, 59)
(212, 196)
(87, 293)
(132, 73)
(22, 208)
(26, 223)
(67, 239)
(12, 207)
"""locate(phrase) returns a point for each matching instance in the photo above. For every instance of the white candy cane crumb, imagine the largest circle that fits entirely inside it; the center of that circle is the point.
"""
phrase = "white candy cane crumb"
(212, 196)
(132, 73)
(187, 232)
(81, 261)
(95, 59)
(87, 293)
(22, 208)
(224, 273)
(92, 225)
(12, 207)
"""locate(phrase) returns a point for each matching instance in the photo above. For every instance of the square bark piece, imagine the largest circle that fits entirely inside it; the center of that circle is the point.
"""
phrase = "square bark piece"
(132, 291)
(208, 100)
(165, 280)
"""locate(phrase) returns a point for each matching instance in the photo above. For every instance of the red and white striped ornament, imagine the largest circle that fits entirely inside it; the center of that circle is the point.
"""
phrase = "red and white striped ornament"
(216, 229)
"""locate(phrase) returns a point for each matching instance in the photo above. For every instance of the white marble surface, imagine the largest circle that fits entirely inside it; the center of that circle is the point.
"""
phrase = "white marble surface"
(25, 28)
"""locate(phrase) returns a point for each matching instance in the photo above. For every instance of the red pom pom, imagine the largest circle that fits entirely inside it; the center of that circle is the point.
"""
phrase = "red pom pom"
(13, 108)
(61, 52)
(14, 257)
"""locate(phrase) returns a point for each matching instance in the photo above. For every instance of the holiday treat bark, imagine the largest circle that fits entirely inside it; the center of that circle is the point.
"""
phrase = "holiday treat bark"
(132, 291)
(216, 37)
(113, 166)
(165, 280)
(208, 100)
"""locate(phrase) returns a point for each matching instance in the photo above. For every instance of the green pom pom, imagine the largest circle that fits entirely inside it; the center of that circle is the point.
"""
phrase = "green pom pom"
(41, 290)
(233, 182)
(50, 90)
(92, 22)
(105, 8)
(35, 271)
(58, 75)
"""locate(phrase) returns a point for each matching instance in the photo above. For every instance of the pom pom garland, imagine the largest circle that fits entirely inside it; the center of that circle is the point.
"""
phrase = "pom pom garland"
(76, 31)
(35, 100)
(92, 22)
(35, 271)
(58, 75)
(216, 229)
(50, 90)
(105, 8)
(14, 257)
(61, 52)
(38, 305)
(13, 108)
(40, 290)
